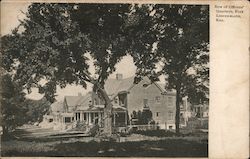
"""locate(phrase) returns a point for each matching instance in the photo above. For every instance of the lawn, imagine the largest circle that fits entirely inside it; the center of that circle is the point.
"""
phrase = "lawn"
(134, 145)
(168, 147)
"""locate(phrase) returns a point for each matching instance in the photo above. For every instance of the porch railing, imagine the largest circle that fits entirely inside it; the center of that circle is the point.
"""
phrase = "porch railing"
(144, 127)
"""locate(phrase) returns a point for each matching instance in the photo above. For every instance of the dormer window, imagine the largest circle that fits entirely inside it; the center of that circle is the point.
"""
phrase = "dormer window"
(116, 100)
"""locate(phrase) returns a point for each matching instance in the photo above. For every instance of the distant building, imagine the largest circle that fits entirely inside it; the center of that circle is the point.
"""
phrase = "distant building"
(201, 110)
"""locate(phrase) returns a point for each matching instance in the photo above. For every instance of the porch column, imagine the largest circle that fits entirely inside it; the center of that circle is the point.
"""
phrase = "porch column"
(125, 118)
(81, 116)
(89, 117)
(114, 119)
(99, 117)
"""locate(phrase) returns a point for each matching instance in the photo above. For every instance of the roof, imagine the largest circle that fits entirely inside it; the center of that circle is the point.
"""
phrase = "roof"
(67, 114)
(84, 100)
(162, 87)
(113, 86)
(57, 107)
(72, 100)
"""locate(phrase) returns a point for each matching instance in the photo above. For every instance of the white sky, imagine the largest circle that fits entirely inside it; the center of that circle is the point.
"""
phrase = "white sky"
(11, 12)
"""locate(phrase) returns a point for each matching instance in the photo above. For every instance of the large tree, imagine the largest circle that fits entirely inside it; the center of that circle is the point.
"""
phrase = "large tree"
(55, 41)
(176, 38)
(183, 46)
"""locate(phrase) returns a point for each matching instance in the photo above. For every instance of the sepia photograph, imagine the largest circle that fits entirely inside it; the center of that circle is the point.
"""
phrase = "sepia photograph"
(104, 80)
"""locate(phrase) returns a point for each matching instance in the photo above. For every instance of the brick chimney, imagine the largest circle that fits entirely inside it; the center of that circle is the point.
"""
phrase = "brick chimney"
(119, 76)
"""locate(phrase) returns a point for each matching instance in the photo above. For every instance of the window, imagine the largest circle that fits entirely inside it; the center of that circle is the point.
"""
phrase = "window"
(90, 103)
(122, 97)
(170, 101)
(50, 120)
(170, 115)
(146, 85)
(145, 103)
(157, 114)
(67, 119)
(158, 99)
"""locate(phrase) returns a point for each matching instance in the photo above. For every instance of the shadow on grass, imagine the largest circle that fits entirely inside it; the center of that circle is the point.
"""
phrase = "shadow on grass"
(161, 148)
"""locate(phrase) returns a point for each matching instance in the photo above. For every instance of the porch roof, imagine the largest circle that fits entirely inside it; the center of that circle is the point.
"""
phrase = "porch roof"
(67, 114)
(99, 108)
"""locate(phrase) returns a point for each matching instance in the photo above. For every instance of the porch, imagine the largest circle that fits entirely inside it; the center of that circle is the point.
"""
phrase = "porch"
(95, 115)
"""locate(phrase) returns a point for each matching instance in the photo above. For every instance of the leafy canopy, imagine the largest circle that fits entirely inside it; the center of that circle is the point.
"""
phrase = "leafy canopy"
(56, 43)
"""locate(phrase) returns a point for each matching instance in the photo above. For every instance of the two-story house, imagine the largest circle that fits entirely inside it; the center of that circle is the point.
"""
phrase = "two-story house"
(134, 97)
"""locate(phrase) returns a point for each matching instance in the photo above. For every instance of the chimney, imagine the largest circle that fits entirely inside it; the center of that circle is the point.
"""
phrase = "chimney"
(79, 94)
(119, 76)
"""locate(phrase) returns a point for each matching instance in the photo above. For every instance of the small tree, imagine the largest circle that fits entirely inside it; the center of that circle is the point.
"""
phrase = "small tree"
(146, 116)
(143, 117)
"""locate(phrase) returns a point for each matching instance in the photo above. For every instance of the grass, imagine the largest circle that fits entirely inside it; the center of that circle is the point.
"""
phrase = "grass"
(176, 147)
(155, 143)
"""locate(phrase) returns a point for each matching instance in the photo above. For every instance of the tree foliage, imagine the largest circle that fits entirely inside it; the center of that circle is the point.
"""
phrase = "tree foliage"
(183, 46)
(56, 42)
(35, 110)
(12, 109)
(143, 117)
(181, 41)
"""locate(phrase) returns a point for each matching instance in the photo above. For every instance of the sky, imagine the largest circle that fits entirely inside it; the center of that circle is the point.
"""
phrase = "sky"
(12, 12)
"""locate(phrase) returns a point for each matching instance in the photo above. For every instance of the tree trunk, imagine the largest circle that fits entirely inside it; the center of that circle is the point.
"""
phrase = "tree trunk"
(107, 113)
(177, 114)
(108, 106)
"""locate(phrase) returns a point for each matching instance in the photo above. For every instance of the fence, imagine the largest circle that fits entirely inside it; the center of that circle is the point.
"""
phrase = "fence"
(144, 127)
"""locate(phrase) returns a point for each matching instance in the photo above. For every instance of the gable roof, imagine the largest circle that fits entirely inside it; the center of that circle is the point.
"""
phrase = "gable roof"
(85, 99)
(113, 86)
(83, 103)
(72, 100)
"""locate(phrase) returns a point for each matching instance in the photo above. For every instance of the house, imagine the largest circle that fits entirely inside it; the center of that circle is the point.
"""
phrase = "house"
(145, 94)
(201, 110)
(126, 97)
